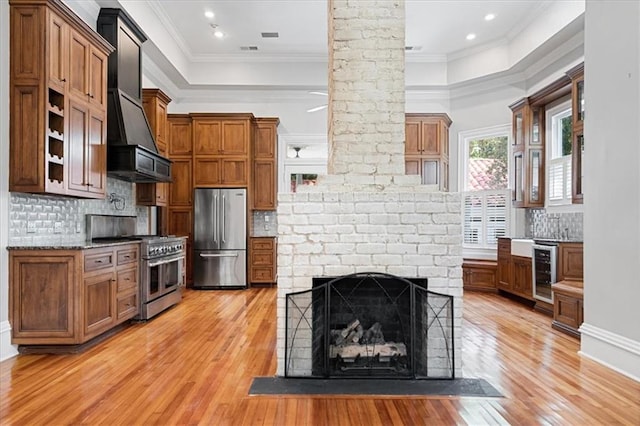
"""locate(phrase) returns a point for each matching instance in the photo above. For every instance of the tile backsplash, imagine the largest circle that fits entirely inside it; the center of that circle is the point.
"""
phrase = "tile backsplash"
(264, 224)
(541, 224)
(44, 219)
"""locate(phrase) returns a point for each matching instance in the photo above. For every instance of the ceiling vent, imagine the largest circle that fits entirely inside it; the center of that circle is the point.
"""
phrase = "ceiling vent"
(248, 47)
(270, 35)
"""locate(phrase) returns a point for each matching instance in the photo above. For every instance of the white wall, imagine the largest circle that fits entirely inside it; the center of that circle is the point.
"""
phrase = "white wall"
(611, 331)
(6, 349)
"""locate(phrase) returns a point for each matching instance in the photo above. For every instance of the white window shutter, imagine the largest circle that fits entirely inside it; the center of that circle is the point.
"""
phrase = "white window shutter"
(486, 215)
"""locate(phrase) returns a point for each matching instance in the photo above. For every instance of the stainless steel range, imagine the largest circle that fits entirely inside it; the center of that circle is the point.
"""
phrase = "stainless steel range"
(162, 274)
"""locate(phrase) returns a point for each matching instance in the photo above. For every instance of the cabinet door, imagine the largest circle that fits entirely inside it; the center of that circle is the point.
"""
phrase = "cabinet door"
(179, 136)
(181, 188)
(97, 153)
(35, 316)
(235, 138)
(412, 133)
(535, 181)
(265, 143)
(78, 66)
(412, 166)
(431, 138)
(234, 171)
(522, 279)
(504, 272)
(207, 137)
(179, 221)
(571, 261)
(207, 172)
(78, 143)
(99, 303)
(58, 41)
(97, 79)
(264, 185)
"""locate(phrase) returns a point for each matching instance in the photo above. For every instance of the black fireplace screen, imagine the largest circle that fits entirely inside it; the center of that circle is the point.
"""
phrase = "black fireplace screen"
(369, 325)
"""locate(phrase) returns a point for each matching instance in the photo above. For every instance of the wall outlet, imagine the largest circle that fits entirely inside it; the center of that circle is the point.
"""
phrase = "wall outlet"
(57, 228)
(78, 227)
(266, 218)
(31, 227)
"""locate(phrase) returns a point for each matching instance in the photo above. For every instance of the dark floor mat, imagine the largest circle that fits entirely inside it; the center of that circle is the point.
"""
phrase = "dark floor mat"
(287, 386)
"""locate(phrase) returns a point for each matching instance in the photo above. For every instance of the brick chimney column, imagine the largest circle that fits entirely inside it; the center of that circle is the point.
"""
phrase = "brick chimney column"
(366, 87)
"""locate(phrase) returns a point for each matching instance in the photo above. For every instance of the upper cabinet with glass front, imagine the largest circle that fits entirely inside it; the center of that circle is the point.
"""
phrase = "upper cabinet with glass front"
(528, 154)
(577, 96)
(548, 143)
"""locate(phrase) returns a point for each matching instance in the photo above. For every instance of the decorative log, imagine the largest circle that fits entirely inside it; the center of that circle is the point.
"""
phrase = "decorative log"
(352, 325)
(352, 351)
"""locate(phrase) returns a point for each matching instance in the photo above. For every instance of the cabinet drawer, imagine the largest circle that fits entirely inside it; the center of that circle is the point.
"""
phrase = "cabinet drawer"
(262, 244)
(262, 275)
(127, 306)
(128, 255)
(262, 259)
(95, 261)
(127, 280)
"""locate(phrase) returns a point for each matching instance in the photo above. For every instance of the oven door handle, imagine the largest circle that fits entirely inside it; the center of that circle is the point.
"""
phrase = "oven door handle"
(220, 255)
(166, 260)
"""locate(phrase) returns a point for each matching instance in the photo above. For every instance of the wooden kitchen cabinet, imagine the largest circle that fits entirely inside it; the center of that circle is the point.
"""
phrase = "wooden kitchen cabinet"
(180, 136)
(479, 275)
(265, 165)
(504, 264)
(427, 148)
(68, 297)
(221, 144)
(568, 308)
(262, 253)
(154, 103)
(181, 189)
(522, 277)
(58, 75)
(570, 262)
(576, 74)
(528, 154)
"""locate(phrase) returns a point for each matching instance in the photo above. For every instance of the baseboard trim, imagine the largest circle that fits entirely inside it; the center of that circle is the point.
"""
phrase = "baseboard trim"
(7, 350)
(612, 350)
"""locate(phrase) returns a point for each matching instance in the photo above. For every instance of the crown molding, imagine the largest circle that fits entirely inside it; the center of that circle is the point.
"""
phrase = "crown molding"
(167, 24)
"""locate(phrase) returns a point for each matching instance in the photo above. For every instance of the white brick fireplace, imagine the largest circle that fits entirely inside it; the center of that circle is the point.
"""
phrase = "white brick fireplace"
(366, 215)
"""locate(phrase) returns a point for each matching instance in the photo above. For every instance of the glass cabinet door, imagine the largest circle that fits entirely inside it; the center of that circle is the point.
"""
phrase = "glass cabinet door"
(518, 126)
(518, 184)
(536, 171)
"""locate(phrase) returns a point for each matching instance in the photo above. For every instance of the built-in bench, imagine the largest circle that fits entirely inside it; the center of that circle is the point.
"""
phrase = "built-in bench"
(567, 306)
(479, 275)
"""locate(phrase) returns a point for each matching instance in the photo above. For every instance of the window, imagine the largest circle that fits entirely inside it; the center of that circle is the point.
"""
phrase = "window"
(559, 127)
(485, 217)
(485, 182)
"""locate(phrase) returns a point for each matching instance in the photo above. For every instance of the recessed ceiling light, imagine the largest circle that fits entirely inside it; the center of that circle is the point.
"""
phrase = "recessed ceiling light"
(471, 36)
(218, 34)
(489, 17)
(209, 14)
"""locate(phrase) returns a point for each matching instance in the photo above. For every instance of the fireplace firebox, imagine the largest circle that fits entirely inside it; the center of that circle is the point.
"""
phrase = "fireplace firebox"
(369, 325)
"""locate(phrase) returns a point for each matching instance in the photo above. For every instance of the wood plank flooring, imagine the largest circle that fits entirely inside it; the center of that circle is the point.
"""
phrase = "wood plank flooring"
(194, 365)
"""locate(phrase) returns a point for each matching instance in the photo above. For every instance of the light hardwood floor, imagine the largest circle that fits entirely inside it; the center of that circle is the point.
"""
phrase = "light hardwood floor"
(194, 365)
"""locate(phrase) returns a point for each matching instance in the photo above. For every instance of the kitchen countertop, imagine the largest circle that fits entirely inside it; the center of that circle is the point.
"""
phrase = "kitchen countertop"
(71, 246)
(547, 240)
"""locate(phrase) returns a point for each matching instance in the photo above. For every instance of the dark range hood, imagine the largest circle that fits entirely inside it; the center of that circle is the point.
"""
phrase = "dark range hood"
(132, 154)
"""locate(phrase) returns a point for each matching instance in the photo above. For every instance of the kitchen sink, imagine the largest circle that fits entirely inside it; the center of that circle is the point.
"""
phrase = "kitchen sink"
(521, 247)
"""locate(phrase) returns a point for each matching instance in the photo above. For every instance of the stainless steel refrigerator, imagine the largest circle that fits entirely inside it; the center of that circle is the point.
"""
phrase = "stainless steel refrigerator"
(220, 238)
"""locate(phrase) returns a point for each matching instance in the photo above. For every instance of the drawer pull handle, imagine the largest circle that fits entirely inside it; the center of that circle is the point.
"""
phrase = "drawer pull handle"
(99, 261)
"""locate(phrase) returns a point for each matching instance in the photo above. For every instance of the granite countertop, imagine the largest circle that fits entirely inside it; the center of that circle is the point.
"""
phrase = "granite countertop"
(79, 245)
(548, 240)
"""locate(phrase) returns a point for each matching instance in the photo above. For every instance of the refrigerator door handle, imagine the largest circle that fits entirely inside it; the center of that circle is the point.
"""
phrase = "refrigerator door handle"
(220, 255)
(215, 219)
(224, 222)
